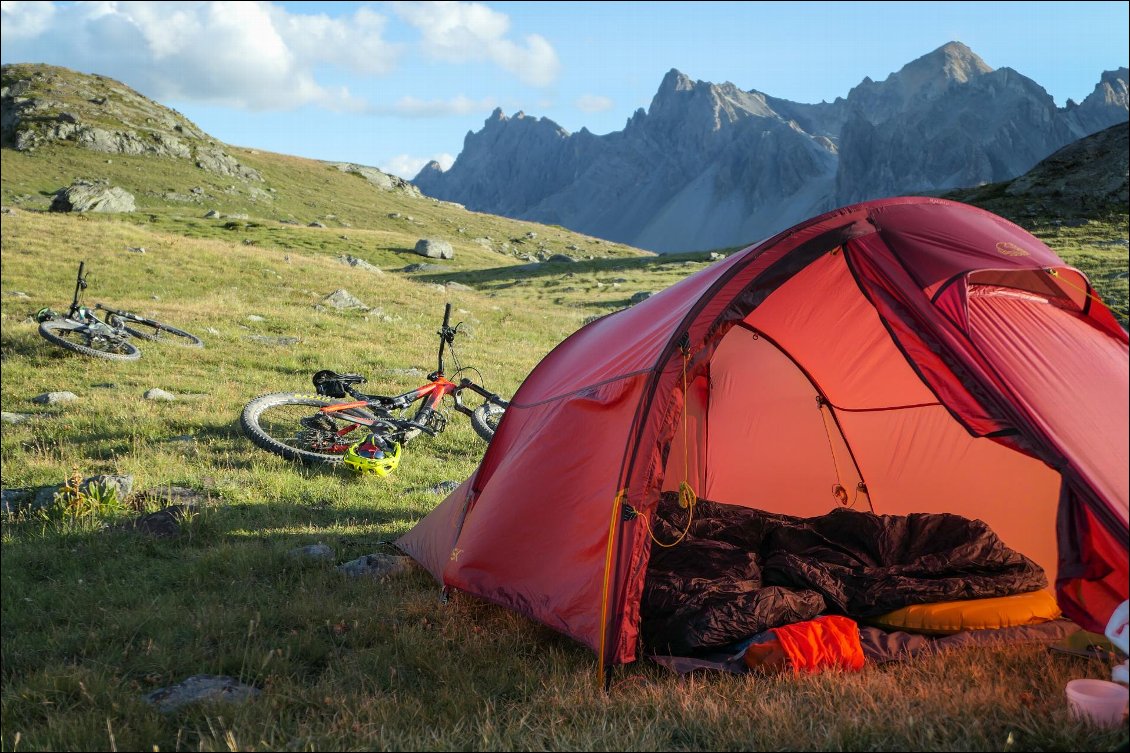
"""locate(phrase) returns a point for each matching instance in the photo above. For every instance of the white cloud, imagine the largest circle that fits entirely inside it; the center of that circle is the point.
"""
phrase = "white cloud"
(407, 166)
(462, 32)
(593, 103)
(20, 20)
(415, 107)
(253, 55)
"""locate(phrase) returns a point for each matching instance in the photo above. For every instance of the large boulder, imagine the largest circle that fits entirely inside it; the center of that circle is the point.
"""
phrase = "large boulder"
(85, 196)
(434, 249)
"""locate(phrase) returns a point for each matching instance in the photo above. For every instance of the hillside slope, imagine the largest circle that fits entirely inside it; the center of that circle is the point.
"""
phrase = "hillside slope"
(60, 126)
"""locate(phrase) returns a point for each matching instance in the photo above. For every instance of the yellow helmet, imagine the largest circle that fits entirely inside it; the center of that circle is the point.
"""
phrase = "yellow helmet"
(369, 456)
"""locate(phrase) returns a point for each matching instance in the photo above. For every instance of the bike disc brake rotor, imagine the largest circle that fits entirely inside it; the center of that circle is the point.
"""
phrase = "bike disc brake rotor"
(104, 343)
(320, 434)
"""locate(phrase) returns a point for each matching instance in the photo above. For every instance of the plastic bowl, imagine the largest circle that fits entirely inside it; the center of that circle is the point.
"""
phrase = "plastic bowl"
(1098, 701)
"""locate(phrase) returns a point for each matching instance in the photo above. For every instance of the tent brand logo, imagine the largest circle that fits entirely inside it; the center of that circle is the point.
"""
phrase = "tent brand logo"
(455, 554)
(1010, 249)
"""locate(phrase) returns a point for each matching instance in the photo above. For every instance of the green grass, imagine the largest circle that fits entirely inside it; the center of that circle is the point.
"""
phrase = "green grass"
(93, 619)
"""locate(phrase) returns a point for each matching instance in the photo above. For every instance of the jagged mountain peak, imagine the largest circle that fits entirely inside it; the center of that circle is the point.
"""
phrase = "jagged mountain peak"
(956, 61)
(704, 105)
(1111, 88)
(926, 78)
(675, 80)
(497, 119)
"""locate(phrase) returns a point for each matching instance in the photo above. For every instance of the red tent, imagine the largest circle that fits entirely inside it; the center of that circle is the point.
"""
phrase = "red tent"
(910, 354)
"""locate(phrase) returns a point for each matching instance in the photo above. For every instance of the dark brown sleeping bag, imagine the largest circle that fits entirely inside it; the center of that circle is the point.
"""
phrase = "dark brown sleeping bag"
(740, 571)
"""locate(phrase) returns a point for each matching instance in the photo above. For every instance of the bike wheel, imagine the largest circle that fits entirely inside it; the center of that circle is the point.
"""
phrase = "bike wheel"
(75, 336)
(292, 426)
(150, 329)
(485, 418)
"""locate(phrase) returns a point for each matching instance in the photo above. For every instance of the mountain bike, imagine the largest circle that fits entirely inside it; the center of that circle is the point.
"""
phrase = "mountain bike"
(322, 428)
(84, 331)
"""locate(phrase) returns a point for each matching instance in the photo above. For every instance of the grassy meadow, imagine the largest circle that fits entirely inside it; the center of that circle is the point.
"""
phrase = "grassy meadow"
(95, 616)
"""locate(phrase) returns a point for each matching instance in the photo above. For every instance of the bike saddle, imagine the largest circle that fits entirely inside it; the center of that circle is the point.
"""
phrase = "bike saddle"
(332, 384)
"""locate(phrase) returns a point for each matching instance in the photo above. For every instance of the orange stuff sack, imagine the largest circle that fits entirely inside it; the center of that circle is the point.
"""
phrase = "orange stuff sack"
(828, 641)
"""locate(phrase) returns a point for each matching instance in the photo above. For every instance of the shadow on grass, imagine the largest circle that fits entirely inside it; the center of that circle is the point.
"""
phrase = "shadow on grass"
(27, 346)
(31, 534)
(536, 270)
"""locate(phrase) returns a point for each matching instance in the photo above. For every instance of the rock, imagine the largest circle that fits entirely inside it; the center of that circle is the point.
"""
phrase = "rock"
(444, 487)
(376, 566)
(216, 161)
(162, 524)
(255, 318)
(54, 398)
(170, 496)
(13, 501)
(434, 248)
(84, 196)
(342, 299)
(201, 688)
(212, 214)
(353, 261)
(136, 249)
(561, 259)
(639, 297)
(157, 393)
(411, 372)
(458, 286)
(281, 340)
(314, 552)
(315, 224)
(14, 418)
(122, 485)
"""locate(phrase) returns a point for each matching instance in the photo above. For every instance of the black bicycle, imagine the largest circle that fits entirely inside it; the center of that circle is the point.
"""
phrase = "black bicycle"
(83, 330)
(322, 428)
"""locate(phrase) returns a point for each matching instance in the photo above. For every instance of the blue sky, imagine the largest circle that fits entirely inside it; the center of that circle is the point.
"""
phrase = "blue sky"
(394, 84)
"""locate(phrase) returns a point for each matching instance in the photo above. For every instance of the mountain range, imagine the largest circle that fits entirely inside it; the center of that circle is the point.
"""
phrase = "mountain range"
(711, 165)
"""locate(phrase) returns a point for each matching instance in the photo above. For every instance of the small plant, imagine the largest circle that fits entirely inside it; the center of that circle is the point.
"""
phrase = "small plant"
(91, 502)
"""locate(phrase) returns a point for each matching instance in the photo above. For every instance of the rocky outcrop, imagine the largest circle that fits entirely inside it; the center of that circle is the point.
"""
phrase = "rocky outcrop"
(380, 179)
(41, 104)
(711, 165)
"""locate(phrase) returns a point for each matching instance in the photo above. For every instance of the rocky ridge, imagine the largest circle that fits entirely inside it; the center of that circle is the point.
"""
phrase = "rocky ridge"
(711, 165)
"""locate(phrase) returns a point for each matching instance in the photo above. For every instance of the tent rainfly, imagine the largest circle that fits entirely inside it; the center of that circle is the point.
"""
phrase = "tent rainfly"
(902, 355)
